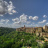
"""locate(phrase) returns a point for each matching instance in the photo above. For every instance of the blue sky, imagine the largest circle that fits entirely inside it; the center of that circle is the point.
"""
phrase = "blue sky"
(17, 13)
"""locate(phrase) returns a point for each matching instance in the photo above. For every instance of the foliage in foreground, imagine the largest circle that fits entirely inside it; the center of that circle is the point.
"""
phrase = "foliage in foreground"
(16, 39)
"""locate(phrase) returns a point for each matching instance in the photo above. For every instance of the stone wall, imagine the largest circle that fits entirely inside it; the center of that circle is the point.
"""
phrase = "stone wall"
(39, 29)
(28, 30)
(45, 28)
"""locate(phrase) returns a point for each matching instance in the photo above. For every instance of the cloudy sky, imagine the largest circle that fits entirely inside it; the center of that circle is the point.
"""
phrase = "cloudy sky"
(17, 13)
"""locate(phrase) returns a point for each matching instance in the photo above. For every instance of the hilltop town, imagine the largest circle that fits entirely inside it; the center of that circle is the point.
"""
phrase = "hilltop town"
(39, 31)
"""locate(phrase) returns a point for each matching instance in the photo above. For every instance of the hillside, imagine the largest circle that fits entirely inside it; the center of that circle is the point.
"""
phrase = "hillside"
(4, 30)
(13, 39)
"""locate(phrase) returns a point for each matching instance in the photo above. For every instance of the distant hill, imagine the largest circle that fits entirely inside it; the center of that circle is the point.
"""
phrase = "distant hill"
(5, 30)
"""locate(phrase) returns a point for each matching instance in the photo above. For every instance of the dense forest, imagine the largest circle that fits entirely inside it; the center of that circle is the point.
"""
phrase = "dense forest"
(4, 30)
(10, 38)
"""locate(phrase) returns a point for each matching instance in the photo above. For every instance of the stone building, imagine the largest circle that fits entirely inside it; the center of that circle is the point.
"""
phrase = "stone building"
(40, 31)
(26, 29)
(21, 29)
(30, 30)
(45, 28)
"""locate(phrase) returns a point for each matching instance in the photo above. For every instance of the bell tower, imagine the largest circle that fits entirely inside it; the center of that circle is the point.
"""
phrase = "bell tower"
(24, 26)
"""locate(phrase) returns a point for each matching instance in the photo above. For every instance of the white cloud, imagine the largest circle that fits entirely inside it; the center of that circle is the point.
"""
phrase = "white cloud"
(15, 20)
(1, 23)
(30, 17)
(46, 23)
(33, 18)
(42, 21)
(14, 11)
(4, 20)
(28, 22)
(11, 8)
(6, 8)
(23, 18)
(4, 23)
(44, 16)
(7, 21)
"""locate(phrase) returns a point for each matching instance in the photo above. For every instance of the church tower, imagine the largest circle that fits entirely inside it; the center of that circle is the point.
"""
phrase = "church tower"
(24, 26)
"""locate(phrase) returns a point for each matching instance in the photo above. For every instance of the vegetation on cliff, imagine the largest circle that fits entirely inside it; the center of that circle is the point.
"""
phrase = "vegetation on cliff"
(14, 39)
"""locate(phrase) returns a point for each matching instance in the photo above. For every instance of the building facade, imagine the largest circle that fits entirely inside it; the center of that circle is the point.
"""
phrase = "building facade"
(38, 30)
